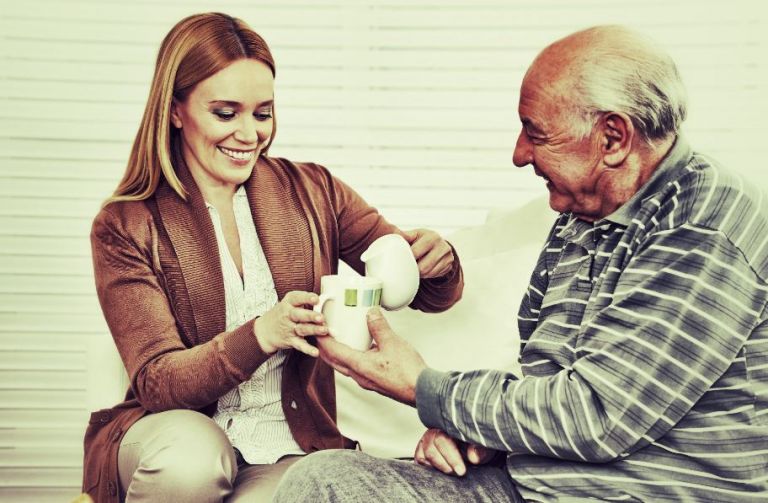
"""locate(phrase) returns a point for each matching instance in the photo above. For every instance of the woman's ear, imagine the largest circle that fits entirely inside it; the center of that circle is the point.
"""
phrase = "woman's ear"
(618, 133)
(175, 116)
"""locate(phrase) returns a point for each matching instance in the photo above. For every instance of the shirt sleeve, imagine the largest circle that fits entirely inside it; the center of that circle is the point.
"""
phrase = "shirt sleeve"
(679, 316)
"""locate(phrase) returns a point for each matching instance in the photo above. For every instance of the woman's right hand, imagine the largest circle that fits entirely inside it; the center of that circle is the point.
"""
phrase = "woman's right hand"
(288, 323)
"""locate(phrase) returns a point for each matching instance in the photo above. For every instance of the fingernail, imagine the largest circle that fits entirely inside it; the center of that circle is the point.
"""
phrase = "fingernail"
(319, 318)
(460, 471)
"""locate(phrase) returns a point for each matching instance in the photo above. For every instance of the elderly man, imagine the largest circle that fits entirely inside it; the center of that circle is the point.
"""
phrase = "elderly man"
(644, 329)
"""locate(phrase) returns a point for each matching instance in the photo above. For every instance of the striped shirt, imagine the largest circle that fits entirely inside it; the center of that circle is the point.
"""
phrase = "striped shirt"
(644, 352)
(252, 415)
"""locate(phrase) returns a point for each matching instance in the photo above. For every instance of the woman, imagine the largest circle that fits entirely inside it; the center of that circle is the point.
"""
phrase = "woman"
(202, 237)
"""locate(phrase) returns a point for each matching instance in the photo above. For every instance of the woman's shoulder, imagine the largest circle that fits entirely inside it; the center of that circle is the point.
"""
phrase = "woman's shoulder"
(126, 218)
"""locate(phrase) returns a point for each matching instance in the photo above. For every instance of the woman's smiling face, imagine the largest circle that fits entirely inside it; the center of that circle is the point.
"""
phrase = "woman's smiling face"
(225, 123)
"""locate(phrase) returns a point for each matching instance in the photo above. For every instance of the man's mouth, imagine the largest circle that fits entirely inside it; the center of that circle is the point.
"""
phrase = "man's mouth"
(540, 174)
(237, 155)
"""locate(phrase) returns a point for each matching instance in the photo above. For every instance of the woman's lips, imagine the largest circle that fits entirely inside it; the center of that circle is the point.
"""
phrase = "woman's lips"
(237, 155)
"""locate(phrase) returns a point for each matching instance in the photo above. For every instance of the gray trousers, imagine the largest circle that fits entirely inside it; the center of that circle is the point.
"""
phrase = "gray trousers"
(183, 456)
(355, 477)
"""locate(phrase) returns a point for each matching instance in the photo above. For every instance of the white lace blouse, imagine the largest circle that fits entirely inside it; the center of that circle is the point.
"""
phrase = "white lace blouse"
(251, 414)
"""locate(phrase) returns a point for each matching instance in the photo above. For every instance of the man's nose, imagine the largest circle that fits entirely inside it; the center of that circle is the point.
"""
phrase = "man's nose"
(523, 154)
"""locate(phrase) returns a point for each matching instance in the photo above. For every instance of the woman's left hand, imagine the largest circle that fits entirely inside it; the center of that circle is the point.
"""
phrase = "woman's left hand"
(433, 253)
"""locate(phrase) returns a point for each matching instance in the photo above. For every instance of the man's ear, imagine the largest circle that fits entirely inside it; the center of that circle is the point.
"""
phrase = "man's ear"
(617, 135)
(175, 116)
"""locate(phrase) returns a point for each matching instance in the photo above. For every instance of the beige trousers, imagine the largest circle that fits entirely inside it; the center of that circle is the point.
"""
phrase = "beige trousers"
(182, 455)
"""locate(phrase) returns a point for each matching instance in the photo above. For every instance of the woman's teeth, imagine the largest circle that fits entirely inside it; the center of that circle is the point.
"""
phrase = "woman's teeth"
(237, 154)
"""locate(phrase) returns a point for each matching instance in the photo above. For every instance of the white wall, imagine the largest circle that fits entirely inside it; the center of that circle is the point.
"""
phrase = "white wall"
(412, 102)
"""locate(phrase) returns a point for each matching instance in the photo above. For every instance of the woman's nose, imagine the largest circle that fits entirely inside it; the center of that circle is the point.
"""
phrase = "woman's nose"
(248, 131)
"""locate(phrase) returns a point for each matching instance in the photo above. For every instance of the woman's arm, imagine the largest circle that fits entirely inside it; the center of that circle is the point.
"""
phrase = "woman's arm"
(164, 373)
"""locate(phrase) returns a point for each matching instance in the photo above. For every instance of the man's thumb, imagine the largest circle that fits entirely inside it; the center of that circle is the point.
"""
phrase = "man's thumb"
(378, 326)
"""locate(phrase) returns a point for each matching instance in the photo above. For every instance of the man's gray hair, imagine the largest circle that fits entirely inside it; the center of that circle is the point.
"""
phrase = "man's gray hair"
(626, 72)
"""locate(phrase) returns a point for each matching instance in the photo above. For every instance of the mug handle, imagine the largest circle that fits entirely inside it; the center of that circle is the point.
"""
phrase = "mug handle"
(325, 297)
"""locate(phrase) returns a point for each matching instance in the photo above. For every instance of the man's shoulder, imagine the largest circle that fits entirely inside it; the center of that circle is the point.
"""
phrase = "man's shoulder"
(725, 200)
(711, 197)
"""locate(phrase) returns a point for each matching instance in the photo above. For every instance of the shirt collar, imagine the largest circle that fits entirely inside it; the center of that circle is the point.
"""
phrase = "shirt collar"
(677, 158)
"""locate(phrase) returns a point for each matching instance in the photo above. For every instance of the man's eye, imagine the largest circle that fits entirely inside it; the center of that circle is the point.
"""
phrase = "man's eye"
(224, 114)
(533, 138)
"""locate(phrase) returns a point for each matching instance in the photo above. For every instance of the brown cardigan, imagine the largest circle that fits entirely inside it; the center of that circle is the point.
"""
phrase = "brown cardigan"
(160, 285)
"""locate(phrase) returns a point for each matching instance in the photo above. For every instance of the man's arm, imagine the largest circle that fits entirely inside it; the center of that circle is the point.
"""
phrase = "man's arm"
(679, 317)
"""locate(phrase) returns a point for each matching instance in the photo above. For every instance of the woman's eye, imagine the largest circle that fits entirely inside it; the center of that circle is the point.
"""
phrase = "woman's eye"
(263, 115)
(224, 114)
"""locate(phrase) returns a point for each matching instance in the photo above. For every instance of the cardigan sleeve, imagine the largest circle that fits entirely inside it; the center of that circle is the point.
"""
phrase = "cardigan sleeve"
(164, 373)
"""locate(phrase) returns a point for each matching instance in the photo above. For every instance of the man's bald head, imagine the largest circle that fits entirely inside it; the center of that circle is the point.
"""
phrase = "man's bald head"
(614, 69)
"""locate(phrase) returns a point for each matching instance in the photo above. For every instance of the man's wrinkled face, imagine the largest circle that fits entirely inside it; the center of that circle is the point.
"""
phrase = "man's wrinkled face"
(569, 164)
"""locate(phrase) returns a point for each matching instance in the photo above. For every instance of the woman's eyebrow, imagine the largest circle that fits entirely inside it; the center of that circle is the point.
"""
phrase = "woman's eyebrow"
(237, 104)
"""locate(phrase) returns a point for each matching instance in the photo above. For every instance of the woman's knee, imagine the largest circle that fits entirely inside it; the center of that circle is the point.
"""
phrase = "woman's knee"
(183, 451)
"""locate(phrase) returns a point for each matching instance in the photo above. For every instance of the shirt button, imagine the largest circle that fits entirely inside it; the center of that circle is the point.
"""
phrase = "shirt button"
(112, 488)
(293, 405)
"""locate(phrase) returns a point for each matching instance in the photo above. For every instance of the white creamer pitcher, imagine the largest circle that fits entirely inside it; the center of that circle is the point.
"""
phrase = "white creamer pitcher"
(390, 260)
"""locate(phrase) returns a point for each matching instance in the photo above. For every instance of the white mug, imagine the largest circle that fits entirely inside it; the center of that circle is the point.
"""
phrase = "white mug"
(345, 301)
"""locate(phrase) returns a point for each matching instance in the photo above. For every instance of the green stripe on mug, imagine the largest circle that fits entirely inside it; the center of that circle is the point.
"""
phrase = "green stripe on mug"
(350, 297)
(377, 297)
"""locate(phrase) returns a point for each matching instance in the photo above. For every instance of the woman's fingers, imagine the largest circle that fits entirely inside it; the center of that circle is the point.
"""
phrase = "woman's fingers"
(435, 264)
(306, 323)
(301, 315)
(433, 253)
(298, 298)
(309, 329)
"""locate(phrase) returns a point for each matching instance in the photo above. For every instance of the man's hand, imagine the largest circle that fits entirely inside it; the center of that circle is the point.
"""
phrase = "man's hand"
(433, 253)
(438, 450)
(390, 368)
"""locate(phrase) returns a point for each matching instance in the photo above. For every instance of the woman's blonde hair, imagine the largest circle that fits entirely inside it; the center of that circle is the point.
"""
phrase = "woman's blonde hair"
(196, 48)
